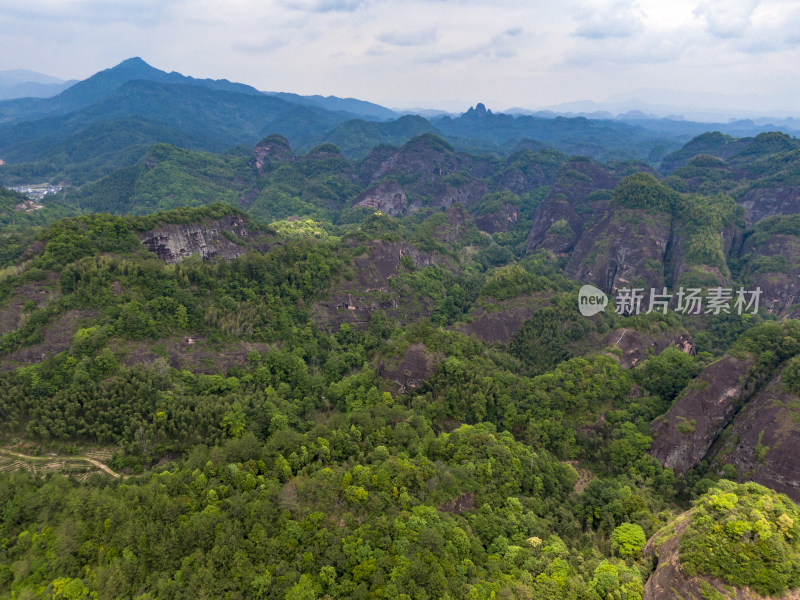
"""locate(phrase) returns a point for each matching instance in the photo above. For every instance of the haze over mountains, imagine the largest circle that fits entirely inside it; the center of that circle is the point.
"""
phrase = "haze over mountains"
(21, 83)
(263, 345)
(108, 120)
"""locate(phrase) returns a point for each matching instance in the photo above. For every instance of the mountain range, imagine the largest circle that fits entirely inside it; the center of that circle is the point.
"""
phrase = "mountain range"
(21, 83)
(283, 347)
(108, 120)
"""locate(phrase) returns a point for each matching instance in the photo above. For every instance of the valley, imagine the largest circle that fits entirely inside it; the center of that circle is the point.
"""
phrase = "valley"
(265, 345)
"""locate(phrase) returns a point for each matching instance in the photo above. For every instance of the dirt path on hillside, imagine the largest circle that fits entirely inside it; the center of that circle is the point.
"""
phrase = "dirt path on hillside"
(92, 461)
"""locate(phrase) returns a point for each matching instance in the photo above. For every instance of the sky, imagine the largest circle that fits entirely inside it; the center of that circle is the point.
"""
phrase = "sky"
(446, 54)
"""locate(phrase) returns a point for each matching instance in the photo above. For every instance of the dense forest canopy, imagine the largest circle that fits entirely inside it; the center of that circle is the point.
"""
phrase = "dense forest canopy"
(354, 366)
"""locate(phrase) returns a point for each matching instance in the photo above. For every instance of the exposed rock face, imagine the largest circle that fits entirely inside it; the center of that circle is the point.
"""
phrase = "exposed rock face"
(684, 436)
(433, 176)
(767, 434)
(387, 197)
(676, 253)
(763, 202)
(637, 346)
(623, 246)
(274, 149)
(498, 222)
(552, 210)
(670, 581)
(371, 289)
(460, 504)
(173, 243)
(445, 195)
(416, 366)
(39, 292)
(779, 283)
(525, 170)
(192, 353)
(57, 337)
(568, 201)
(499, 326)
(519, 181)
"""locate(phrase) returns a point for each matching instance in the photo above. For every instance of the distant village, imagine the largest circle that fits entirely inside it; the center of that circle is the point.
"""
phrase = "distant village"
(37, 191)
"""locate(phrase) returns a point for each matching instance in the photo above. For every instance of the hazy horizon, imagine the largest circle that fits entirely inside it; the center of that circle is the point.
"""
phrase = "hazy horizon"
(437, 54)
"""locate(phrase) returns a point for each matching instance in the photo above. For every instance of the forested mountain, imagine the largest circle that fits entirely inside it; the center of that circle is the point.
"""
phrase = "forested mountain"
(108, 120)
(239, 362)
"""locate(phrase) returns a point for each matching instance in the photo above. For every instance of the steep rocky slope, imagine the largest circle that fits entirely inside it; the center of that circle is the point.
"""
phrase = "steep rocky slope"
(625, 248)
(375, 285)
(424, 173)
(573, 201)
(224, 238)
(770, 260)
(685, 434)
(738, 542)
(765, 440)
(670, 580)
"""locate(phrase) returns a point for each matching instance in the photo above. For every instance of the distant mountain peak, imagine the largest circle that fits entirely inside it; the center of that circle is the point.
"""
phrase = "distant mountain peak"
(135, 64)
(479, 110)
(135, 60)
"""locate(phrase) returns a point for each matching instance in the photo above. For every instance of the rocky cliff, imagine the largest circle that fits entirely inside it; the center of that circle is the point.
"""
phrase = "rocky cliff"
(670, 581)
(686, 433)
(271, 152)
(625, 248)
(574, 199)
(427, 172)
(765, 440)
(375, 285)
(770, 259)
(224, 238)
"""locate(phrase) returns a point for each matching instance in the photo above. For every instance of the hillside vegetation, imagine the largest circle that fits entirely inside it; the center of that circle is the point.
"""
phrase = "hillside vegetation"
(263, 349)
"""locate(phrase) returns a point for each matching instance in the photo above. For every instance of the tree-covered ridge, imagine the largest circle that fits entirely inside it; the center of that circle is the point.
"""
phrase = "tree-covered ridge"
(357, 404)
(746, 535)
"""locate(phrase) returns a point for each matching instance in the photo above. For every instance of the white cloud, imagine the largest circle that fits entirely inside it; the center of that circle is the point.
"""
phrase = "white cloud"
(326, 6)
(727, 19)
(413, 37)
(617, 20)
(508, 52)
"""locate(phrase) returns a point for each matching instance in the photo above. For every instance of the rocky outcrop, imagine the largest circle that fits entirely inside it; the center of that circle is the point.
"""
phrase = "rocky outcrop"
(624, 246)
(58, 336)
(767, 440)
(527, 170)
(445, 194)
(387, 197)
(686, 433)
(556, 227)
(433, 175)
(773, 263)
(636, 346)
(670, 580)
(462, 503)
(416, 365)
(371, 288)
(678, 267)
(762, 202)
(498, 222)
(498, 322)
(172, 243)
(570, 200)
(272, 151)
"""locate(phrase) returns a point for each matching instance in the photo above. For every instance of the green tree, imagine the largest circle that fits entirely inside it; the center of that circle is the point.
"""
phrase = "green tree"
(628, 540)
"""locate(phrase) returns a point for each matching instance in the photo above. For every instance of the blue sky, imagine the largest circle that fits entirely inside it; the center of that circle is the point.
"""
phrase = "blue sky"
(433, 53)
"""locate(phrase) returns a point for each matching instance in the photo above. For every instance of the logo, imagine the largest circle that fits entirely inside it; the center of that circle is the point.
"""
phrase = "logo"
(591, 301)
